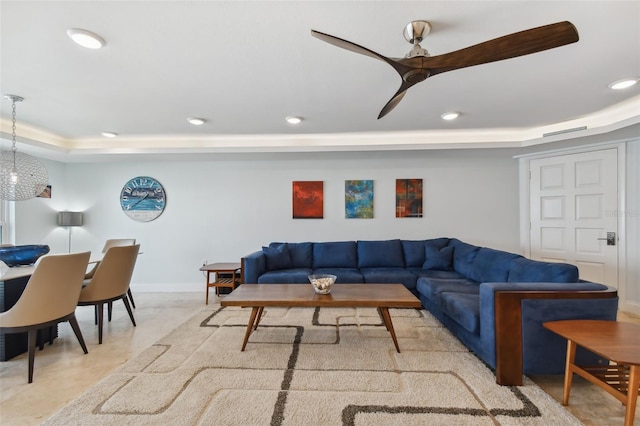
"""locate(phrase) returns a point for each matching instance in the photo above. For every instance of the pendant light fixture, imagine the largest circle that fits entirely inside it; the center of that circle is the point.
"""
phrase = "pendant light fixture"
(22, 176)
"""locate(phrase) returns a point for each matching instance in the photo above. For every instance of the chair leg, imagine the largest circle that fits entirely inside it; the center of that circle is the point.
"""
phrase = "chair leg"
(95, 315)
(109, 310)
(126, 305)
(100, 307)
(76, 329)
(133, 304)
(40, 337)
(32, 351)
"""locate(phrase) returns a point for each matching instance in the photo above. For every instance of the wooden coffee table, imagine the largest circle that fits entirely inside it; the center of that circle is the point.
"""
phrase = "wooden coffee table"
(380, 296)
(615, 341)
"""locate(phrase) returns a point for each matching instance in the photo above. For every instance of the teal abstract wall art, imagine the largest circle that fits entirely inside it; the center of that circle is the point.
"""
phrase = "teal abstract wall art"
(358, 199)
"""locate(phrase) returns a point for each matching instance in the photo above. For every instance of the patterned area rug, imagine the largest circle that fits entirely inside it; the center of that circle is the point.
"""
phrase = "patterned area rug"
(309, 366)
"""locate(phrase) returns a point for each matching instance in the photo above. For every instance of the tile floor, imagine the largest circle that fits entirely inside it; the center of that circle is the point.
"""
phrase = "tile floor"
(62, 372)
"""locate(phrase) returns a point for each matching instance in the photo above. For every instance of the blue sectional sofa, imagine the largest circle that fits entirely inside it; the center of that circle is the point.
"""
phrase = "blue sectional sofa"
(493, 301)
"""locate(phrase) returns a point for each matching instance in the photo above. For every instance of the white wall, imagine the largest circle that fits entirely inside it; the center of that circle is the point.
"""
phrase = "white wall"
(223, 208)
(632, 220)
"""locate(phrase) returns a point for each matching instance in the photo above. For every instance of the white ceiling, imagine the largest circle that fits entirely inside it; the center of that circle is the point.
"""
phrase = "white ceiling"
(244, 66)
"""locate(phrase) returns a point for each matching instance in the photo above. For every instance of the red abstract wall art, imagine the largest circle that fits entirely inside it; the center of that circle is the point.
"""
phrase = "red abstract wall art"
(308, 199)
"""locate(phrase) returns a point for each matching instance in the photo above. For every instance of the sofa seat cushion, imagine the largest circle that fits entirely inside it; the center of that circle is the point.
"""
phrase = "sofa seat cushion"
(374, 254)
(389, 276)
(338, 254)
(432, 287)
(463, 308)
(285, 276)
(344, 275)
(434, 273)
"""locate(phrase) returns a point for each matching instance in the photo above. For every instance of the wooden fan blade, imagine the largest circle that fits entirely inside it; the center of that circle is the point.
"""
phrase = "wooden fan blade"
(336, 41)
(510, 46)
(395, 100)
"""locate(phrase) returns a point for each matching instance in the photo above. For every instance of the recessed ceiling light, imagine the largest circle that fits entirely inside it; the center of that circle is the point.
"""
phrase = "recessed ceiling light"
(196, 121)
(293, 119)
(86, 38)
(623, 84)
(450, 115)
(109, 134)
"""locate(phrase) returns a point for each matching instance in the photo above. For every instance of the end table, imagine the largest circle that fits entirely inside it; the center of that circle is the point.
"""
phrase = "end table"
(616, 341)
(227, 274)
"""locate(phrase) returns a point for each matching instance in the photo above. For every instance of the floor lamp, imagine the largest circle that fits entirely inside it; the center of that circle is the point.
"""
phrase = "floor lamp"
(70, 219)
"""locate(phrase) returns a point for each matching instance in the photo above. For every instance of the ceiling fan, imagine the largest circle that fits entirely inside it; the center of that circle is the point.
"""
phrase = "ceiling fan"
(417, 65)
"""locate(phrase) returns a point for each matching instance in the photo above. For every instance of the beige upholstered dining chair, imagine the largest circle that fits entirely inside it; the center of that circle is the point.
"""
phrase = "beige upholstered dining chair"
(114, 242)
(110, 282)
(50, 297)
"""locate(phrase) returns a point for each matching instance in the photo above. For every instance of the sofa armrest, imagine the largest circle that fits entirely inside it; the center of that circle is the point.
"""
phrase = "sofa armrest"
(508, 298)
(253, 265)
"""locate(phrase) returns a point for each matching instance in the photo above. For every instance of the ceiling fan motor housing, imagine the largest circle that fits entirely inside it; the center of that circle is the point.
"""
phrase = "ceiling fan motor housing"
(415, 31)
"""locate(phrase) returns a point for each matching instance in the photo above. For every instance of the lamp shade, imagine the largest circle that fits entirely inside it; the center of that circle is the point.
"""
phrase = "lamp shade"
(70, 218)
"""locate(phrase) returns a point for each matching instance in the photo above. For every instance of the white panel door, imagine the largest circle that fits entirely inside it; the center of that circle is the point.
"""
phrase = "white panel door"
(573, 203)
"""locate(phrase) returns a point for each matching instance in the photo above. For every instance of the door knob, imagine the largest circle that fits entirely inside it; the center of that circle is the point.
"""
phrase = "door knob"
(611, 239)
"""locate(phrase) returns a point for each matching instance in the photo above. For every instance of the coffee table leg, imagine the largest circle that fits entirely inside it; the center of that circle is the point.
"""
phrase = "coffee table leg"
(387, 322)
(568, 371)
(252, 319)
(632, 394)
(260, 311)
(383, 320)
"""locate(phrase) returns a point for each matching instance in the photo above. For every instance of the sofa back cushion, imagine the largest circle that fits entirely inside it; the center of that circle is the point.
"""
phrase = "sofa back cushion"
(491, 265)
(438, 259)
(463, 255)
(413, 251)
(301, 254)
(378, 254)
(339, 254)
(277, 257)
(438, 243)
(527, 270)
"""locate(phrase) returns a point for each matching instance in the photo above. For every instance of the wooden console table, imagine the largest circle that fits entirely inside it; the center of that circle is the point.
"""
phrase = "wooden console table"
(227, 274)
(613, 340)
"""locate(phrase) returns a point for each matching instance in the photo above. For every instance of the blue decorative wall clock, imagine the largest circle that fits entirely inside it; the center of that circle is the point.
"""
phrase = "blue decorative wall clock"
(143, 198)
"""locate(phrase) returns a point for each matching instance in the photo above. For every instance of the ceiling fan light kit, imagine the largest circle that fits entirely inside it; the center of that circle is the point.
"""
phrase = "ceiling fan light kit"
(418, 65)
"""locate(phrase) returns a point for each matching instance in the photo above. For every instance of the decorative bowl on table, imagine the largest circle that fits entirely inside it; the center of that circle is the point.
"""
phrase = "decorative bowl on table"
(322, 283)
(22, 255)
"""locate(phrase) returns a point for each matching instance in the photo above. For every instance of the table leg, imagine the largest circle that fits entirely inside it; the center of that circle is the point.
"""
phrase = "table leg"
(632, 394)
(252, 318)
(568, 371)
(260, 311)
(387, 322)
(206, 288)
(382, 316)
